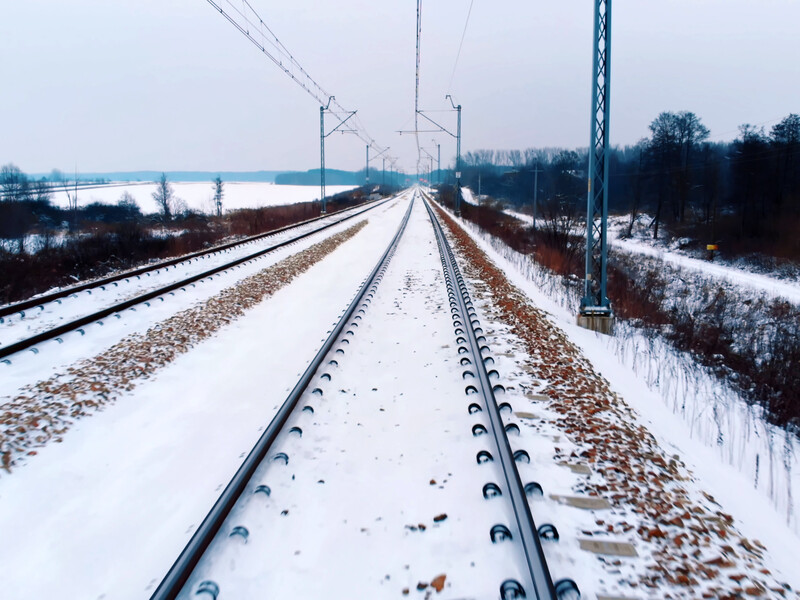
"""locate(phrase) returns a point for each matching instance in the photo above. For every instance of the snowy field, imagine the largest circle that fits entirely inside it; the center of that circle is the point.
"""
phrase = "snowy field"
(196, 196)
(359, 510)
(199, 196)
(770, 284)
(780, 283)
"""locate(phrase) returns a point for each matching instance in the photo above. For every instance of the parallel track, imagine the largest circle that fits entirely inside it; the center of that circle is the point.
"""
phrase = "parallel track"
(19, 307)
(76, 324)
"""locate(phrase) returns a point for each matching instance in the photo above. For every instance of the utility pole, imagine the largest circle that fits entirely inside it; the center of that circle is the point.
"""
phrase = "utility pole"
(383, 172)
(322, 136)
(536, 172)
(595, 310)
(439, 163)
(479, 187)
(322, 110)
(430, 164)
(458, 156)
(381, 153)
(456, 135)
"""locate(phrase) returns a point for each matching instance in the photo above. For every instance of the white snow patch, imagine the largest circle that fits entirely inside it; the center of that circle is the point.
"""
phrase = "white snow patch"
(199, 196)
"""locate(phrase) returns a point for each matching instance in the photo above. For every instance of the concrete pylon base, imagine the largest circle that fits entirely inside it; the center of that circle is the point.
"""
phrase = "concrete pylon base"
(601, 323)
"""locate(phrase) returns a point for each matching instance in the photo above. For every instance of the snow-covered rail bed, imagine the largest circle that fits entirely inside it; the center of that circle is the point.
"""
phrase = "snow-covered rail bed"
(27, 323)
(51, 357)
(174, 409)
(379, 474)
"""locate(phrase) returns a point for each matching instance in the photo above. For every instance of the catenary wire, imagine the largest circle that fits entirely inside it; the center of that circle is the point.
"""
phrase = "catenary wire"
(247, 21)
(461, 45)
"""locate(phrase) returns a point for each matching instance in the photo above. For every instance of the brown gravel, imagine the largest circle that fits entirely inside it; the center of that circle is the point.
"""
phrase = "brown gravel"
(691, 547)
(44, 411)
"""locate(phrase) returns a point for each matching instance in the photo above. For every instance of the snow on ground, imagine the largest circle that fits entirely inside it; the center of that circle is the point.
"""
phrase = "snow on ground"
(34, 243)
(467, 195)
(19, 326)
(199, 196)
(773, 286)
(669, 409)
(382, 488)
(642, 235)
(106, 511)
(52, 356)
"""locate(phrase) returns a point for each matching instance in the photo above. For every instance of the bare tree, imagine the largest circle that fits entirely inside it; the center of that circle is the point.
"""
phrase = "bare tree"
(692, 133)
(72, 197)
(637, 184)
(785, 137)
(664, 154)
(750, 164)
(163, 197)
(13, 183)
(128, 203)
(485, 157)
(218, 193)
(40, 191)
(180, 208)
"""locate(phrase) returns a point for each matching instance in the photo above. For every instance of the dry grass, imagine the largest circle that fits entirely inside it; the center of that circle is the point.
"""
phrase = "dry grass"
(753, 344)
(107, 247)
(692, 545)
(45, 410)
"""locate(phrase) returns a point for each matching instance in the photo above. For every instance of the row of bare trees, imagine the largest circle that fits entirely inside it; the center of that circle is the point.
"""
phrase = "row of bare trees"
(17, 187)
(168, 203)
(743, 194)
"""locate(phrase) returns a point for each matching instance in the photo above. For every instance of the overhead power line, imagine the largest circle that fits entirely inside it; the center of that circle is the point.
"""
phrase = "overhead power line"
(244, 18)
(461, 45)
(416, 97)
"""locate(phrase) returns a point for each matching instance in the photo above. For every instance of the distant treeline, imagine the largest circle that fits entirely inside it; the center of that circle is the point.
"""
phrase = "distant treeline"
(337, 177)
(57, 176)
(744, 194)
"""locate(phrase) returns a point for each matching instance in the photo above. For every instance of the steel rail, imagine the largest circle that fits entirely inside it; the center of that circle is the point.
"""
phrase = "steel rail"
(181, 570)
(53, 333)
(17, 307)
(534, 555)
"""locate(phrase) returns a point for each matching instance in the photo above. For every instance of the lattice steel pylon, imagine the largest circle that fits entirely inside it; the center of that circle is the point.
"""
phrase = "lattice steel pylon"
(595, 302)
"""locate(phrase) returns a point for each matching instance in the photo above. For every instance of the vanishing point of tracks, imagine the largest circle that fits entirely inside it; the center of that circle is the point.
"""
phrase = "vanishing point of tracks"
(535, 580)
(51, 299)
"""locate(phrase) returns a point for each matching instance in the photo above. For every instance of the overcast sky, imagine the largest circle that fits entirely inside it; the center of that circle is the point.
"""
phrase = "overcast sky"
(170, 85)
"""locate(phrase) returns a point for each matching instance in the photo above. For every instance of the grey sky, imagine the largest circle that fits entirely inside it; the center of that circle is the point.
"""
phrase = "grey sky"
(169, 84)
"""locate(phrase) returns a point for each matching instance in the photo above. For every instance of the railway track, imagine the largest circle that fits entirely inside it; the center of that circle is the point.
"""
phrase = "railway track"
(227, 518)
(41, 300)
(43, 303)
(469, 332)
